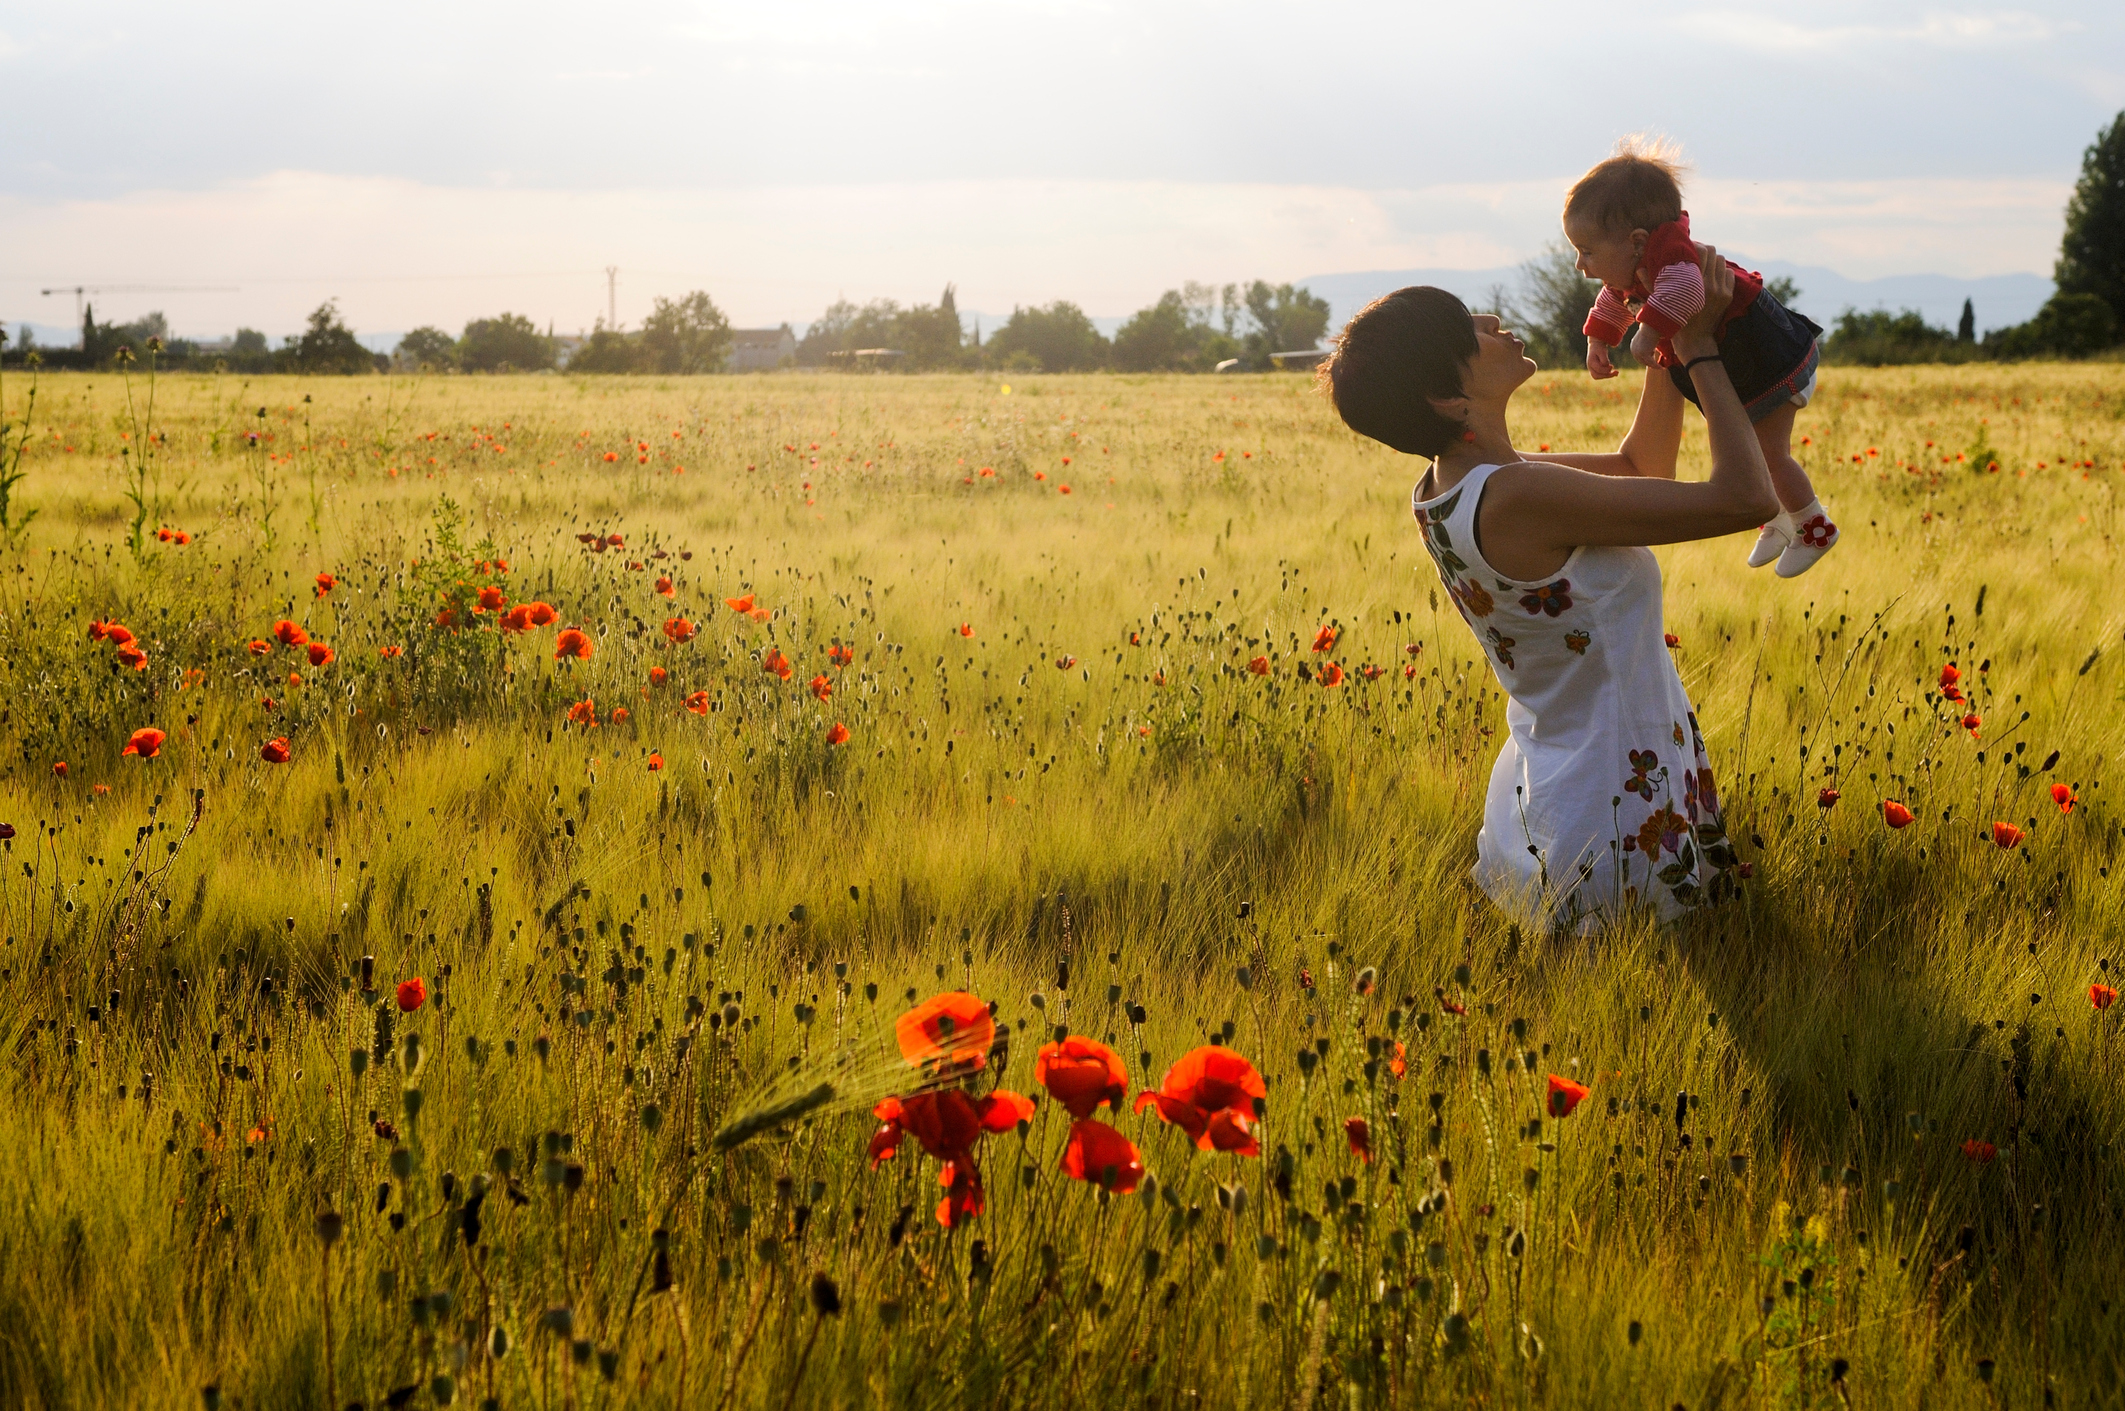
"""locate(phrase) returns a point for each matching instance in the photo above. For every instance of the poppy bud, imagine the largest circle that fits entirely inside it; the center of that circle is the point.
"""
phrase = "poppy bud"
(826, 1296)
(329, 1227)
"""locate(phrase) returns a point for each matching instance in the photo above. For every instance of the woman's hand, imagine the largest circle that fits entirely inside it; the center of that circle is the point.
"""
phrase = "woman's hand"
(1695, 339)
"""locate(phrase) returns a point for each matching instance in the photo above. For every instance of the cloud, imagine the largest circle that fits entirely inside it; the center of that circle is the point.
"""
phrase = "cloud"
(400, 253)
(1943, 29)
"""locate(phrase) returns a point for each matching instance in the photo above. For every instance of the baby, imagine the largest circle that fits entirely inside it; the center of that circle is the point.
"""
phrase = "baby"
(1625, 220)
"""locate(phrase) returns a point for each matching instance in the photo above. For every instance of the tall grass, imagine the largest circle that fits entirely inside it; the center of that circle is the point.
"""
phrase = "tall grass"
(234, 1171)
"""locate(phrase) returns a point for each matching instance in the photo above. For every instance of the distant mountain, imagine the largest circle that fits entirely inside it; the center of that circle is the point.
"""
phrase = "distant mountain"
(1999, 299)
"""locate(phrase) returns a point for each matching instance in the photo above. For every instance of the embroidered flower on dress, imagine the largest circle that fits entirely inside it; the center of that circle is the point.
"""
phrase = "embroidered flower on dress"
(1503, 646)
(1663, 830)
(1474, 597)
(1551, 598)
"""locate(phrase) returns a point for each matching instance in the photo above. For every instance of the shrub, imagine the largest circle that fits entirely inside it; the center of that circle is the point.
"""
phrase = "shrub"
(2070, 326)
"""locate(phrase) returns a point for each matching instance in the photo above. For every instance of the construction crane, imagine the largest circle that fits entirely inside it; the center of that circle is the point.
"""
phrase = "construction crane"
(80, 291)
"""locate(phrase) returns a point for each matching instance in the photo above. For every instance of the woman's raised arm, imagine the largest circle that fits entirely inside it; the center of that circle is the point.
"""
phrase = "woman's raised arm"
(1559, 507)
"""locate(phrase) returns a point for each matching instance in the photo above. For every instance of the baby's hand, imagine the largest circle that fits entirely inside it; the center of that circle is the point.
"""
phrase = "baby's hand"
(1645, 345)
(1598, 365)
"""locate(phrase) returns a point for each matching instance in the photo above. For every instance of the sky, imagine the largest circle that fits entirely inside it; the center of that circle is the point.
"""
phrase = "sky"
(434, 162)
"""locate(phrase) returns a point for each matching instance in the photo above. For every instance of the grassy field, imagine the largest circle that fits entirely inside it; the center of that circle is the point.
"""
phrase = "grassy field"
(235, 1171)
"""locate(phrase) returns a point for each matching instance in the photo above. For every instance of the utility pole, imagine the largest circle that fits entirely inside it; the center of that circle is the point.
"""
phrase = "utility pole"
(612, 298)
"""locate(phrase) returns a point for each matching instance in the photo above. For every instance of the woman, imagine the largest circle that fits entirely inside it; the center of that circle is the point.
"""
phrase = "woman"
(1601, 794)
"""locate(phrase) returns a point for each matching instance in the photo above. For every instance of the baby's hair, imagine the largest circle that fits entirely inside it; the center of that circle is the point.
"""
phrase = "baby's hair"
(1637, 188)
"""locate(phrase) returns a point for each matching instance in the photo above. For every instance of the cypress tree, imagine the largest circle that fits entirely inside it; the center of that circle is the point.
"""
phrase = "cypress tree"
(2092, 253)
(1966, 328)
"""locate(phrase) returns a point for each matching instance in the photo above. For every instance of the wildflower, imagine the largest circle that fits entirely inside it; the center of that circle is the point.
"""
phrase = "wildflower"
(274, 751)
(838, 735)
(1399, 1064)
(656, 762)
(446, 618)
(583, 712)
(657, 675)
(1446, 1004)
(1564, 1095)
(777, 664)
(2102, 996)
(1826, 797)
(117, 635)
(821, 687)
(1103, 1156)
(966, 629)
(295, 678)
(97, 629)
(678, 629)
(572, 643)
(1895, 814)
(492, 599)
(1979, 1152)
(610, 457)
(412, 994)
(664, 587)
(326, 583)
(517, 619)
(1259, 666)
(1331, 675)
(1949, 676)
(2063, 796)
(947, 1124)
(698, 703)
(543, 615)
(953, 1030)
(288, 634)
(1324, 639)
(759, 614)
(180, 538)
(390, 652)
(615, 541)
(100, 789)
(840, 655)
(146, 743)
(257, 648)
(1371, 672)
(1207, 1094)
(741, 605)
(59, 768)
(1065, 662)
(1971, 722)
(619, 713)
(1081, 1073)
(321, 655)
(2006, 835)
(132, 656)
(1671, 639)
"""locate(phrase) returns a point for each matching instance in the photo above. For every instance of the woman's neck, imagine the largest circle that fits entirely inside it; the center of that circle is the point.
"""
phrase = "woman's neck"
(1486, 442)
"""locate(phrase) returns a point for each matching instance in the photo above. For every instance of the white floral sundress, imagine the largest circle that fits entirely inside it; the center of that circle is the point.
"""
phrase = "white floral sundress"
(1601, 790)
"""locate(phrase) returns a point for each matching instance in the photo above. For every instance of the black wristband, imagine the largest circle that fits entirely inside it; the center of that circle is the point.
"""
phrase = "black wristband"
(1707, 358)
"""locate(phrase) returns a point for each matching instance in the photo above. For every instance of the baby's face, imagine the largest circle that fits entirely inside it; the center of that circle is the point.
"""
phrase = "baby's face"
(1611, 256)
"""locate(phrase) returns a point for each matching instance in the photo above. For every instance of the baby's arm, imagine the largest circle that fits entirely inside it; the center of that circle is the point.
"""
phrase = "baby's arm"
(1678, 293)
(1606, 324)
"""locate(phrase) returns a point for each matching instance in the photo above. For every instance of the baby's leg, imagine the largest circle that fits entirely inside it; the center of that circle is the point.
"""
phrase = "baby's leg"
(1775, 434)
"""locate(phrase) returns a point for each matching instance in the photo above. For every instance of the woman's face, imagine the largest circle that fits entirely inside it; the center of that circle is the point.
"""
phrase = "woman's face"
(1501, 362)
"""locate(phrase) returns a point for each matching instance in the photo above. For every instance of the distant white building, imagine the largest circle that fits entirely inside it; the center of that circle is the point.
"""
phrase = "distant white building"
(564, 347)
(761, 349)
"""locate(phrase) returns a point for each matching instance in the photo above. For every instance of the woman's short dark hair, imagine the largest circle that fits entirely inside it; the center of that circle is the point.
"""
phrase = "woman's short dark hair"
(1402, 350)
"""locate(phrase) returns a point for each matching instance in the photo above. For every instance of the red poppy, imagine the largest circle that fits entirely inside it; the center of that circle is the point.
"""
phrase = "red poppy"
(2063, 796)
(1324, 639)
(389, 653)
(1671, 639)
(543, 615)
(619, 713)
(1205, 1084)
(678, 629)
(616, 541)
(1972, 721)
(1259, 666)
(97, 629)
(1949, 677)
(2101, 996)
(656, 762)
(777, 664)
(274, 751)
(116, 635)
(583, 712)
(572, 643)
(698, 703)
(1358, 1132)
(744, 604)
(840, 655)
(493, 600)
(321, 655)
(412, 994)
(953, 1029)
(1895, 814)
(146, 743)
(759, 614)
(1103, 1156)
(1979, 1152)
(132, 656)
(1065, 662)
(966, 629)
(1826, 797)
(821, 687)
(657, 675)
(517, 619)
(1331, 675)
(1082, 1073)
(181, 537)
(59, 768)
(2006, 835)
(1399, 1064)
(289, 634)
(664, 587)
(838, 735)
(258, 648)
(326, 583)
(1564, 1095)
(1446, 1004)
(947, 1124)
